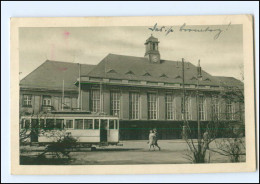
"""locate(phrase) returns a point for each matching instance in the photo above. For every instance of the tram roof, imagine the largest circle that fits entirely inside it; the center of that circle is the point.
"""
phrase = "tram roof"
(74, 114)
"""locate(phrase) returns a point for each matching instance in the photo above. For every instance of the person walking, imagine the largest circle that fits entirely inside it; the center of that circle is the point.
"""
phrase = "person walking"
(156, 138)
(151, 140)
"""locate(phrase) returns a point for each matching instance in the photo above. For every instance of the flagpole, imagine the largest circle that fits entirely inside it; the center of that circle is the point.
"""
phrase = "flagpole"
(62, 104)
(183, 90)
(79, 92)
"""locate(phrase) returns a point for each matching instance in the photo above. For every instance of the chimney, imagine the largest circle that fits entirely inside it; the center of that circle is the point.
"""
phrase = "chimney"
(199, 70)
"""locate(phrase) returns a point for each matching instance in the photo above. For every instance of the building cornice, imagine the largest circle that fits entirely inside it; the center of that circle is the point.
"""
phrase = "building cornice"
(144, 84)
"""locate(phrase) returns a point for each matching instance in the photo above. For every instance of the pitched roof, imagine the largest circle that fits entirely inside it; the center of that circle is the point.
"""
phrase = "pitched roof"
(50, 75)
(152, 39)
(122, 64)
(230, 81)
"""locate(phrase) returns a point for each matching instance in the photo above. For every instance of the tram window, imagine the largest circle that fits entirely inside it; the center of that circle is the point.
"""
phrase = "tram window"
(22, 123)
(88, 124)
(78, 124)
(69, 123)
(116, 122)
(35, 124)
(59, 123)
(49, 124)
(27, 124)
(111, 124)
(96, 125)
(42, 123)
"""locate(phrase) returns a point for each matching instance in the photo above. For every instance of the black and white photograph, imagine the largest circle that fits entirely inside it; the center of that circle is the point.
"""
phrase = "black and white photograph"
(151, 94)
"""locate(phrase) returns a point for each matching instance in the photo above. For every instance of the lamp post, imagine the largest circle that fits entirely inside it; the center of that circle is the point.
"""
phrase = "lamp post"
(79, 89)
(184, 128)
(199, 77)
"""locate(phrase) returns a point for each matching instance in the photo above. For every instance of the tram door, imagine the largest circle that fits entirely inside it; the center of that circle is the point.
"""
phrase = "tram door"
(103, 130)
(34, 130)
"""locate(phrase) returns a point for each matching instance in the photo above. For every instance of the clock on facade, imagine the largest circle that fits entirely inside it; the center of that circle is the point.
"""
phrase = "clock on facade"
(155, 58)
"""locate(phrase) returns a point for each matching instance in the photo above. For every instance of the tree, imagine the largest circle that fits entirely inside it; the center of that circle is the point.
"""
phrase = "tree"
(62, 144)
(198, 148)
(233, 147)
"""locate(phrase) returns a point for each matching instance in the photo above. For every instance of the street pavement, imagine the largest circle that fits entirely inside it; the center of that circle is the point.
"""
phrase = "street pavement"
(137, 152)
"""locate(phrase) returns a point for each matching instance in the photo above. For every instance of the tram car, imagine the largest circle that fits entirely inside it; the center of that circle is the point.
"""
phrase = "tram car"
(87, 128)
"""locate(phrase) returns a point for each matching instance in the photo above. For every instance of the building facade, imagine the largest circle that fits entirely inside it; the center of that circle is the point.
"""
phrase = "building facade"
(144, 92)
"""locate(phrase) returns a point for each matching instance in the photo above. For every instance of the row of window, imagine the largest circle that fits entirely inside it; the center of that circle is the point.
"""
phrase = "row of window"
(46, 101)
(49, 124)
(170, 102)
(152, 104)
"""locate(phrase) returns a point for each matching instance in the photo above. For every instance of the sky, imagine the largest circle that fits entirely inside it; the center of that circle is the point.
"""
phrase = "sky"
(89, 45)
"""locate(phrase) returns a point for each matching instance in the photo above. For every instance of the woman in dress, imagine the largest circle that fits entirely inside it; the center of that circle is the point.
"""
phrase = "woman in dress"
(152, 139)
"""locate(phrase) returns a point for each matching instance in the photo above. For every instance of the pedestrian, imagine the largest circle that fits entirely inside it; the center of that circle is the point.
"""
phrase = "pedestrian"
(151, 139)
(206, 139)
(156, 139)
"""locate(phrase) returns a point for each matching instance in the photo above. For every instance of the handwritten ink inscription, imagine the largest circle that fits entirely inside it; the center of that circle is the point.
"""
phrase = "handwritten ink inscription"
(165, 29)
(185, 28)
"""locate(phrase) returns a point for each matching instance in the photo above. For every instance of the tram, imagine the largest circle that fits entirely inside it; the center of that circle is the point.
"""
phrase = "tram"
(86, 127)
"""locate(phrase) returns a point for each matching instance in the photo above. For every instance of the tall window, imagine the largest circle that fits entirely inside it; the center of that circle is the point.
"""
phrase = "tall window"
(115, 103)
(134, 105)
(170, 107)
(27, 100)
(46, 101)
(95, 99)
(215, 108)
(230, 110)
(152, 106)
(187, 107)
(202, 108)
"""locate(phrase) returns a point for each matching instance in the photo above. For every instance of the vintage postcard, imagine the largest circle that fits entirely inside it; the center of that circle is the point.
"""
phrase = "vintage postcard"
(132, 95)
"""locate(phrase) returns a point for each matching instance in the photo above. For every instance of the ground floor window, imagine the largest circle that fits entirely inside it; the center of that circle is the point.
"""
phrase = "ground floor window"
(115, 103)
(187, 108)
(230, 110)
(202, 108)
(170, 107)
(215, 108)
(95, 100)
(134, 105)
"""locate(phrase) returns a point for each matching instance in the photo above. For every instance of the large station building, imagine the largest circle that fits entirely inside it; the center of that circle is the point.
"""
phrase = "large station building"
(144, 92)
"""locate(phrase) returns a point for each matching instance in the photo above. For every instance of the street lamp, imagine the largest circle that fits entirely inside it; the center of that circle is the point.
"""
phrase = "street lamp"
(199, 78)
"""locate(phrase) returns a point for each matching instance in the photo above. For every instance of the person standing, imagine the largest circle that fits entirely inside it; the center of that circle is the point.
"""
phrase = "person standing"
(206, 139)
